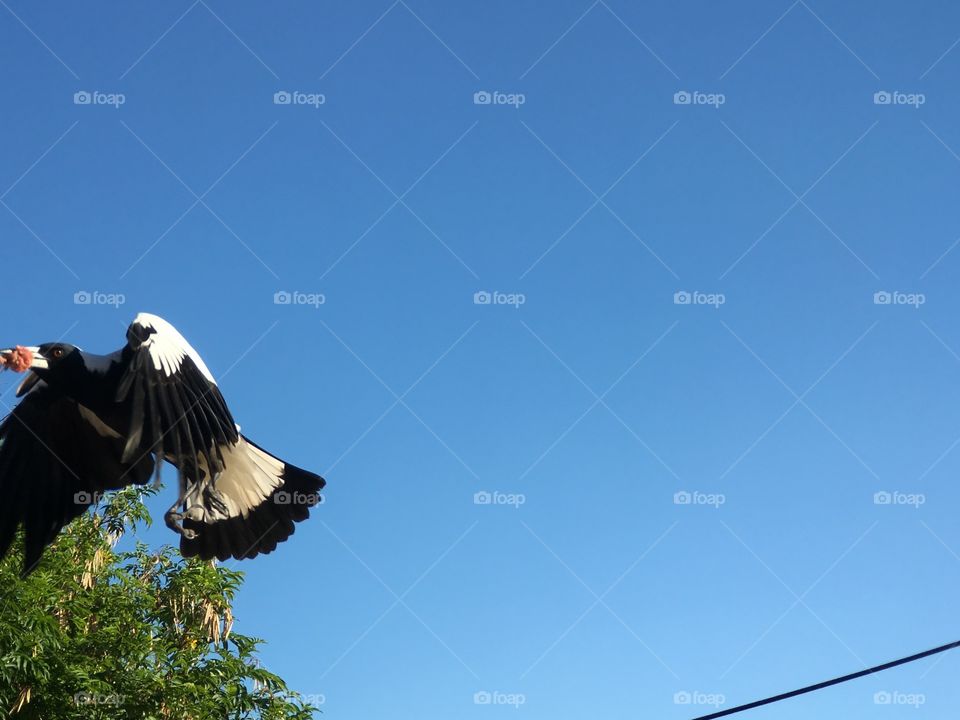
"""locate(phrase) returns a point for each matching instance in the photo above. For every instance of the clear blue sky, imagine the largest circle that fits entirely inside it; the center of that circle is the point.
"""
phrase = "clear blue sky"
(598, 398)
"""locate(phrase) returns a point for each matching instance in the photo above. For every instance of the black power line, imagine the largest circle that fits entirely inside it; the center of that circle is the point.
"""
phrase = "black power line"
(828, 683)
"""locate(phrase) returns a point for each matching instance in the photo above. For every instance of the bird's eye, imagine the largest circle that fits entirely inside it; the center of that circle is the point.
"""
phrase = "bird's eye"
(57, 353)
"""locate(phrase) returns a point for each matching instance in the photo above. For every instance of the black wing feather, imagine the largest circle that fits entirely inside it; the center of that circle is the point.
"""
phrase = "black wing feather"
(53, 463)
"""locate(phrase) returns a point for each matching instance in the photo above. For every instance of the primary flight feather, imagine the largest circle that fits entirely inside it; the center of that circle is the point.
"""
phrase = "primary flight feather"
(89, 423)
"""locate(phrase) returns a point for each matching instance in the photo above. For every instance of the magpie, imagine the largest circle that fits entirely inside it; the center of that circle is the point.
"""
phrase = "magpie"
(91, 423)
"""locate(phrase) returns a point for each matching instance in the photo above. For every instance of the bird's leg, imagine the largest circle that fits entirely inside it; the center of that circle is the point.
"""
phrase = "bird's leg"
(174, 520)
(174, 516)
(214, 498)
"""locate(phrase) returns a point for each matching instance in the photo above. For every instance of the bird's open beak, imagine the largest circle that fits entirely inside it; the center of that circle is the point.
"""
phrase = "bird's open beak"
(39, 361)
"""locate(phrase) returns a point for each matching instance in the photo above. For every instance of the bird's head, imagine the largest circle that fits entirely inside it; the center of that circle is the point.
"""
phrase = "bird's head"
(52, 362)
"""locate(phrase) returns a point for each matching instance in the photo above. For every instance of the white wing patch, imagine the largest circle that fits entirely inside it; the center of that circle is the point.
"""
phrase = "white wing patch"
(250, 477)
(168, 348)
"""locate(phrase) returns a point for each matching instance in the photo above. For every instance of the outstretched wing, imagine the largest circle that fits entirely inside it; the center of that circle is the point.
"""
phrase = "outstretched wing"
(55, 458)
(177, 411)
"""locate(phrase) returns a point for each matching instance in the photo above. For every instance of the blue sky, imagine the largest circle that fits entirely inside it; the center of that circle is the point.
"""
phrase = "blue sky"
(782, 398)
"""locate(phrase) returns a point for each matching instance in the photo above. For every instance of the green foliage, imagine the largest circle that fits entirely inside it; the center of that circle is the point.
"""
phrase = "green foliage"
(94, 633)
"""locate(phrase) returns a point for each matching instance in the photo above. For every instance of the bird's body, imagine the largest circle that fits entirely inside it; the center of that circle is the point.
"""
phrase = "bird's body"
(89, 423)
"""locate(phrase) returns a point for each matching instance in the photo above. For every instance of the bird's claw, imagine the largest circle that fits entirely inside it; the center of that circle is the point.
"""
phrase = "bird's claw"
(174, 521)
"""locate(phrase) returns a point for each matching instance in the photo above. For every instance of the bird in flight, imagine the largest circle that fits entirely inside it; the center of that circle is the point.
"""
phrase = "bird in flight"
(90, 423)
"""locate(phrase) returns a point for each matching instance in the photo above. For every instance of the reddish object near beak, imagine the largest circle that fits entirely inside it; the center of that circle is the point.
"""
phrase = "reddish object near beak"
(19, 360)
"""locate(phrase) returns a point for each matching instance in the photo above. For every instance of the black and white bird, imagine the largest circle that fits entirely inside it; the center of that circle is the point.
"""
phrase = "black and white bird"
(90, 423)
